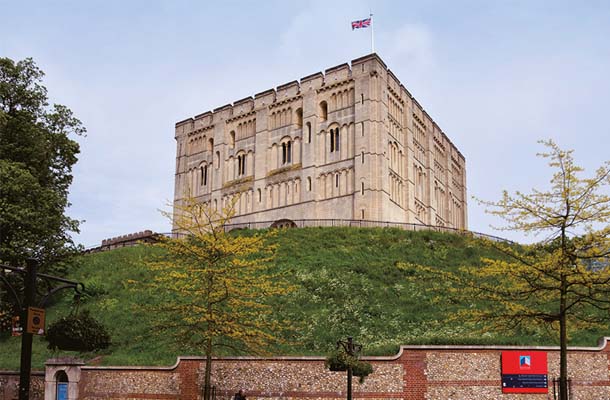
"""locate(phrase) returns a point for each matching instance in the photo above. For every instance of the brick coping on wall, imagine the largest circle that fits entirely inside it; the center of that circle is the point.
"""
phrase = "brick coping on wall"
(602, 343)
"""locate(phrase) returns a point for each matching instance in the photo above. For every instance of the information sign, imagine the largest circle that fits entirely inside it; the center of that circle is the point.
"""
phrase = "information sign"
(35, 321)
(524, 372)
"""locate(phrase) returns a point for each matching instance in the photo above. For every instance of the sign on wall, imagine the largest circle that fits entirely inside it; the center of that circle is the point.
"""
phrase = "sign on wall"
(524, 372)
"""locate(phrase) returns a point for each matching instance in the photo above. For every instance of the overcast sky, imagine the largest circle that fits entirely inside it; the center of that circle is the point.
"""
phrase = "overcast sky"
(495, 75)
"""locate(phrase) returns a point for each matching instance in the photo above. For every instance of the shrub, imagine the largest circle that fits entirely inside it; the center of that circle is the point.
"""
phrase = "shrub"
(77, 333)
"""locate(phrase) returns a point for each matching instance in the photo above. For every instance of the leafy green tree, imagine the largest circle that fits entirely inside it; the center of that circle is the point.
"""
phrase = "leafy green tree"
(214, 286)
(36, 159)
(561, 283)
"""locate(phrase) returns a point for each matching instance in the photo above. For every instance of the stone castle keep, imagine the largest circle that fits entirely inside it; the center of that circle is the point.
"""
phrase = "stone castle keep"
(351, 143)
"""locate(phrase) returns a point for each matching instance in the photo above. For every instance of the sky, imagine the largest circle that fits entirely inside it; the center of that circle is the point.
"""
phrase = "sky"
(497, 76)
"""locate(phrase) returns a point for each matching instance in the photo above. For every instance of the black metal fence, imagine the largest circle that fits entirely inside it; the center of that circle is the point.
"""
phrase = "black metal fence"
(556, 389)
(358, 223)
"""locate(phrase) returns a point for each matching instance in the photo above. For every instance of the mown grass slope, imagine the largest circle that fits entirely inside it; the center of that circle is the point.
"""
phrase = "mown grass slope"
(347, 284)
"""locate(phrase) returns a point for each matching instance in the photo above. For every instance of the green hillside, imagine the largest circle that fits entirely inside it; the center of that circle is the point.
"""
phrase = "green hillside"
(347, 284)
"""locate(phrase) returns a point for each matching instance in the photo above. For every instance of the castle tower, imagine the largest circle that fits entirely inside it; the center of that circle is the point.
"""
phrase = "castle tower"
(350, 143)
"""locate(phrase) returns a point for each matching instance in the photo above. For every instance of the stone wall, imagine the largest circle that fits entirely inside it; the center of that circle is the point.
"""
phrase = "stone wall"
(9, 385)
(415, 373)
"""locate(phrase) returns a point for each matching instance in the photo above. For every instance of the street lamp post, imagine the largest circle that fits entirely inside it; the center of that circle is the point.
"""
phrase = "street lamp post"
(30, 276)
(352, 349)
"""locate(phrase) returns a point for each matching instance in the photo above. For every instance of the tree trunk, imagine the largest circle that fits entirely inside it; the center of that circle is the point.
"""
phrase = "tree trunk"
(208, 371)
(563, 343)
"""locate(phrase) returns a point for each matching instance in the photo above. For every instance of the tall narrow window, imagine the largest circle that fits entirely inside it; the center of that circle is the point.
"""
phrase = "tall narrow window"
(232, 139)
(299, 113)
(284, 158)
(332, 140)
(217, 159)
(336, 180)
(362, 188)
(362, 98)
(286, 151)
(362, 128)
(362, 214)
(309, 183)
(362, 156)
(260, 196)
(308, 132)
(204, 175)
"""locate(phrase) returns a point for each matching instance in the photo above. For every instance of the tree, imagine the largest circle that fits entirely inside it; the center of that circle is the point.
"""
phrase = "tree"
(559, 283)
(36, 160)
(215, 285)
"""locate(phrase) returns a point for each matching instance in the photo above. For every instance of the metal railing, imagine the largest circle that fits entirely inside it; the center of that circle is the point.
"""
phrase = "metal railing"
(358, 223)
(317, 223)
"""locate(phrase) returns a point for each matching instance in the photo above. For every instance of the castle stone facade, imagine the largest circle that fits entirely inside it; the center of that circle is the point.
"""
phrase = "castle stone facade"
(349, 143)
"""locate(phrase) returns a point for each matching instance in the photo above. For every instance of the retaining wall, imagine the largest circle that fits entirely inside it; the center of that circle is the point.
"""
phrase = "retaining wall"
(415, 373)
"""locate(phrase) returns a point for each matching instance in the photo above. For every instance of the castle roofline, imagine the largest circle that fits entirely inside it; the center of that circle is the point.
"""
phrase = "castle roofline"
(225, 107)
(312, 76)
(336, 68)
(372, 56)
(264, 93)
(287, 85)
(179, 123)
(242, 101)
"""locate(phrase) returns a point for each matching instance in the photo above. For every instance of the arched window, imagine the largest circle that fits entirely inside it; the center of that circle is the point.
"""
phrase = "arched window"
(323, 111)
(232, 139)
(260, 195)
(286, 151)
(217, 159)
(309, 183)
(337, 180)
(204, 175)
(241, 165)
(299, 113)
(210, 144)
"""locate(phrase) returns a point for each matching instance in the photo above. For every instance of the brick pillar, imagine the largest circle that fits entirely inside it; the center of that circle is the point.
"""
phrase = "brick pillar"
(189, 379)
(415, 380)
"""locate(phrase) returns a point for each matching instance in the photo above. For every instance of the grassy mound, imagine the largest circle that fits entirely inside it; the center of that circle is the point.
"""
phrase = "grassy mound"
(347, 285)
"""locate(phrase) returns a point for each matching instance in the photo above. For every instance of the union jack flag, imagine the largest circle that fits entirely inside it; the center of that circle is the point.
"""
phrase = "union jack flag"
(363, 23)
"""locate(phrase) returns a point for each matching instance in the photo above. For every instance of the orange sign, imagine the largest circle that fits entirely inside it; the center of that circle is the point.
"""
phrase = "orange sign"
(35, 321)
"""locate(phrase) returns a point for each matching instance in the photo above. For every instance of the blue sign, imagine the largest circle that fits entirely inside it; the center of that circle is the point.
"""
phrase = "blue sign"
(62, 391)
(537, 381)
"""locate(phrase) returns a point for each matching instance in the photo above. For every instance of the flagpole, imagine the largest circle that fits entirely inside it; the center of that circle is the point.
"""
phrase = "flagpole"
(372, 33)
